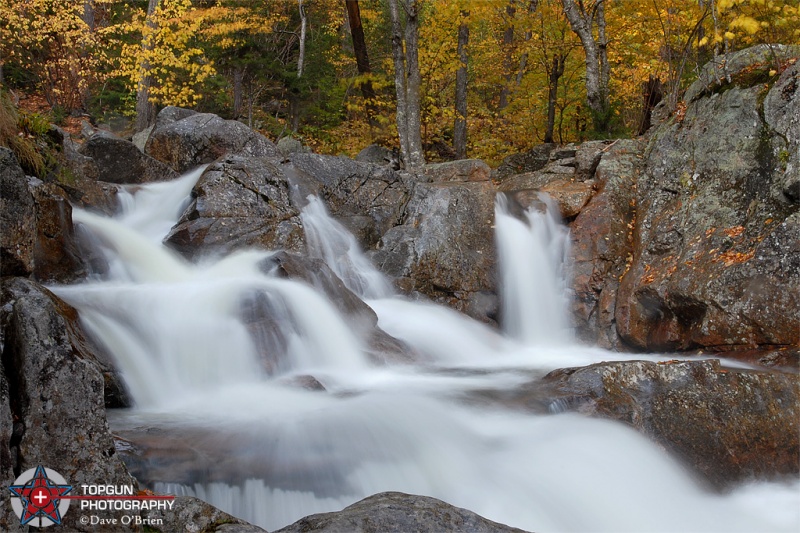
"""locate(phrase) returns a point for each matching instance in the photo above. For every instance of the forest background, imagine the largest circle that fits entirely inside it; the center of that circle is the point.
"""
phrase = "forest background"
(488, 77)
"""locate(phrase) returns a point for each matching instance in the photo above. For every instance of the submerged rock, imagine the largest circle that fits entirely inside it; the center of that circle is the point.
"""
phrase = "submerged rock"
(395, 512)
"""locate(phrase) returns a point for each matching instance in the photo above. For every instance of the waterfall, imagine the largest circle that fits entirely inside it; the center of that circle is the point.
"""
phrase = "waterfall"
(532, 256)
(210, 353)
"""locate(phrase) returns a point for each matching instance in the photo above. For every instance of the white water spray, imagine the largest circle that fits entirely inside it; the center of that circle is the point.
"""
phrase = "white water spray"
(178, 334)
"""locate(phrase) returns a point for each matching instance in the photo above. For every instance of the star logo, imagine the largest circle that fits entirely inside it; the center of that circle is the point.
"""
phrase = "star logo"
(38, 494)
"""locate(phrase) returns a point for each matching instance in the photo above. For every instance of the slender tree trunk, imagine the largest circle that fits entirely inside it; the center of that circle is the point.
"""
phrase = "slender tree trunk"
(508, 45)
(238, 90)
(407, 81)
(597, 69)
(460, 126)
(301, 57)
(556, 71)
(145, 110)
(362, 58)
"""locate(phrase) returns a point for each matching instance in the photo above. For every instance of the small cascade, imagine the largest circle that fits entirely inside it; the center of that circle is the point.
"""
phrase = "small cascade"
(533, 285)
(328, 240)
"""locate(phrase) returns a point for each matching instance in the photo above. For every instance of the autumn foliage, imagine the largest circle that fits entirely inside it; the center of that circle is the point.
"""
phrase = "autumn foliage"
(239, 58)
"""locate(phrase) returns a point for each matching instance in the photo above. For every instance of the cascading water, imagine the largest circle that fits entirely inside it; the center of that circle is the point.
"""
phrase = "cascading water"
(532, 262)
(272, 452)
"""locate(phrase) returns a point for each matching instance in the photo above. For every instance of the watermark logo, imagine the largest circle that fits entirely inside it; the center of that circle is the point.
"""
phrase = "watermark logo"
(41, 496)
(38, 497)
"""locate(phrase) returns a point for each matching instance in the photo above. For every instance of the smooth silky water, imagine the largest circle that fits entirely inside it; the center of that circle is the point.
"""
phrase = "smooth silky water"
(270, 451)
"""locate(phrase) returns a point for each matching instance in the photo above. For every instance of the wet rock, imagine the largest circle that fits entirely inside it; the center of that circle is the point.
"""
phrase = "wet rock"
(602, 244)
(56, 257)
(191, 515)
(17, 215)
(367, 199)
(716, 260)
(457, 171)
(445, 246)
(530, 161)
(728, 425)
(56, 393)
(390, 512)
(120, 161)
(184, 139)
(238, 202)
(571, 196)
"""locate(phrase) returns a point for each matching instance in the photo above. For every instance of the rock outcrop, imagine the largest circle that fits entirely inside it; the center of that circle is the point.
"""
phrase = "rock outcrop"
(184, 139)
(716, 260)
(55, 395)
(17, 212)
(395, 512)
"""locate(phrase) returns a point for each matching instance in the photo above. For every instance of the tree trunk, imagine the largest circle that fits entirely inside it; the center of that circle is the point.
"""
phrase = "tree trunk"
(508, 44)
(301, 57)
(407, 81)
(597, 69)
(460, 126)
(145, 110)
(238, 90)
(362, 58)
(556, 71)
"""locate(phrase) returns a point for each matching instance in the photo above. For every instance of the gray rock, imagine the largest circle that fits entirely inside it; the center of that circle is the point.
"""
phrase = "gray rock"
(729, 426)
(713, 74)
(238, 202)
(290, 145)
(395, 512)
(120, 161)
(367, 199)
(445, 246)
(782, 113)
(716, 261)
(184, 140)
(463, 170)
(190, 515)
(376, 154)
(17, 215)
(140, 139)
(56, 394)
(530, 161)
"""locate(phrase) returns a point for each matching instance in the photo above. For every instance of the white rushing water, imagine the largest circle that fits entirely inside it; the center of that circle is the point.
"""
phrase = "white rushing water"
(210, 351)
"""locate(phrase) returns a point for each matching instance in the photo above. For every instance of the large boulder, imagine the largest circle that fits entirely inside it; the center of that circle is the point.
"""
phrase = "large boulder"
(395, 512)
(238, 202)
(184, 139)
(729, 425)
(119, 161)
(530, 161)
(17, 215)
(445, 247)
(55, 396)
(367, 199)
(716, 259)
